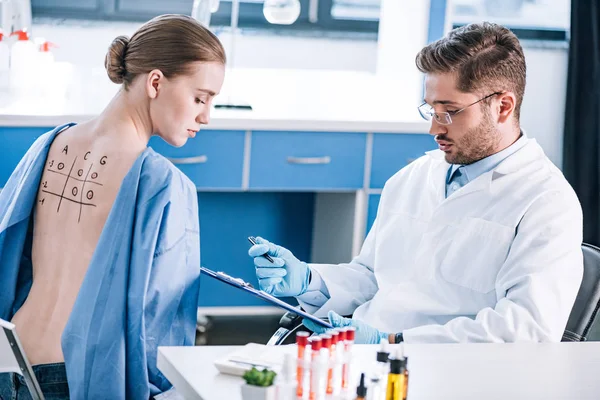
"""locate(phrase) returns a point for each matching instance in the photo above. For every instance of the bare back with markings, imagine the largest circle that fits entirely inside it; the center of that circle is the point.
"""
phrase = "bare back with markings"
(81, 179)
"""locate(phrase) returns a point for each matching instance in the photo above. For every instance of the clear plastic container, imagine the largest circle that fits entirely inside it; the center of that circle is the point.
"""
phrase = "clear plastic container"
(45, 55)
(286, 381)
(47, 77)
(4, 62)
(23, 62)
(201, 11)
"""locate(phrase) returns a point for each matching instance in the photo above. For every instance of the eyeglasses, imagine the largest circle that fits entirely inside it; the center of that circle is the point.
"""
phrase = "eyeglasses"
(445, 118)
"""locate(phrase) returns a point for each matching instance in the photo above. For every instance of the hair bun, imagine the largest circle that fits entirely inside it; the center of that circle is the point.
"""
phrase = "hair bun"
(115, 59)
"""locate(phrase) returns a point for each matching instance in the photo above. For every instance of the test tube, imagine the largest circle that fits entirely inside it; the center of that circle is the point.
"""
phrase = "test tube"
(326, 350)
(332, 361)
(350, 331)
(340, 357)
(315, 345)
(301, 342)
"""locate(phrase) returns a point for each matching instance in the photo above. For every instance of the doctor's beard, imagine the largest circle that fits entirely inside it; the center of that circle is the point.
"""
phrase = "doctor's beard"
(477, 143)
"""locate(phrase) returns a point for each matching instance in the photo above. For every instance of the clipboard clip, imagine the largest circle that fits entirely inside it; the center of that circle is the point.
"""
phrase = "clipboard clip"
(237, 280)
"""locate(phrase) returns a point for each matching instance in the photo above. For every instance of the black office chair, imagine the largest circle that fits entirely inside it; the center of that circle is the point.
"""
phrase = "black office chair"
(289, 324)
(581, 320)
(587, 303)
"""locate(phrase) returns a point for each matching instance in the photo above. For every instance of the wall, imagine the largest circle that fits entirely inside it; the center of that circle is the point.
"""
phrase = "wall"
(253, 50)
(543, 107)
(402, 33)
(542, 114)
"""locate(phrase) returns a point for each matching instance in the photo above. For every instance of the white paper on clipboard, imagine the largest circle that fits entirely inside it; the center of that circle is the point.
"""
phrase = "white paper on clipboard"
(251, 355)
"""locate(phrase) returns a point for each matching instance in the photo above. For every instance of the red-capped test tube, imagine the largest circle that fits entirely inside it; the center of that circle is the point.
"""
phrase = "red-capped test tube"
(326, 349)
(332, 360)
(340, 360)
(350, 333)
(301, 342)
(315, 345)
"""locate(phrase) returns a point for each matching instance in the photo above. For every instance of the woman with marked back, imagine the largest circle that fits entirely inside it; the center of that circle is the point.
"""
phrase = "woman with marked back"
(99, 236)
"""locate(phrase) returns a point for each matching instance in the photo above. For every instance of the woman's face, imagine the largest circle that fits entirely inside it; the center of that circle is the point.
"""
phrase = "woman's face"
(182, 104)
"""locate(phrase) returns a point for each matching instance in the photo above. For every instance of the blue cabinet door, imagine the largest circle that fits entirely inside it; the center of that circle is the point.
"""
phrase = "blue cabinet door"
(307, 160)
(14, 143)
(213, 159)
(226, 221)
(392, 152)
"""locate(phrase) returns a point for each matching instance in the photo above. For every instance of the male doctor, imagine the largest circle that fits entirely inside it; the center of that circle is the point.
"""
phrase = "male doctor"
(479, 241)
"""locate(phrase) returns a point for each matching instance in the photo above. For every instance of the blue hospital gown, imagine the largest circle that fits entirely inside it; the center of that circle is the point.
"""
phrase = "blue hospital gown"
(141, 287)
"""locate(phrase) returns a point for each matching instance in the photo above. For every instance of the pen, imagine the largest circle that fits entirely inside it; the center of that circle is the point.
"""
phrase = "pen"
(252, 240)
(250, 364)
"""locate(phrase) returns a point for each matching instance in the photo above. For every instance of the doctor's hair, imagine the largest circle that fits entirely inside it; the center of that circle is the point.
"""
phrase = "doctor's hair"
(169, 43)
(486, 57)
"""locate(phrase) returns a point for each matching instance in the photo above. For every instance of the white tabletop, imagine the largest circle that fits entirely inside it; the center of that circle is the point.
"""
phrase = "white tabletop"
(441, 371)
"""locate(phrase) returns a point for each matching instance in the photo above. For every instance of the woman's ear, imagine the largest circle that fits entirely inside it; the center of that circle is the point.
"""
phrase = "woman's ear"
(153, 82)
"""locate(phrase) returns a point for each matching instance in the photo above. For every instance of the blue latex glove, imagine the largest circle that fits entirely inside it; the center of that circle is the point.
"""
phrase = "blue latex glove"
(286, 276)
(365, 334)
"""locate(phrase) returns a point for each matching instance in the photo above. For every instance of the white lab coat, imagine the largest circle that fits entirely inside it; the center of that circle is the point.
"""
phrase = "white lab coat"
(499, 260)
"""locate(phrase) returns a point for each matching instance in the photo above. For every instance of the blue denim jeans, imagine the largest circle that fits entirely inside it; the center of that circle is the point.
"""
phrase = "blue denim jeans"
(51, 377)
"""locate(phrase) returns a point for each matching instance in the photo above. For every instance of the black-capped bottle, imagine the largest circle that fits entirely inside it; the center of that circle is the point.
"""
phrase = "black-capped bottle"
(396, 379)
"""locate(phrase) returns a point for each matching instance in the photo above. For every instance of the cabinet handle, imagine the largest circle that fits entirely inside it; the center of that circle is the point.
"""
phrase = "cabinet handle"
(189, 160)
(309, 160)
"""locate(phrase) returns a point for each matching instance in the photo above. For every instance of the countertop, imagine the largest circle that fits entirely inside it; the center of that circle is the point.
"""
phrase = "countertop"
(467, 371)
(284, 100)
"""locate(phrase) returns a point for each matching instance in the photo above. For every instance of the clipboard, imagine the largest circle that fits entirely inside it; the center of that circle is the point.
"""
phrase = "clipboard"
(245, 286)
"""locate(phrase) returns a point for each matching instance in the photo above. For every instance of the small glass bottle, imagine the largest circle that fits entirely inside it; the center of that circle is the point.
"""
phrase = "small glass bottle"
(400, 355)
(395, 383)
(383, 358)
(361, 389)
(405, 378)
(379, 379)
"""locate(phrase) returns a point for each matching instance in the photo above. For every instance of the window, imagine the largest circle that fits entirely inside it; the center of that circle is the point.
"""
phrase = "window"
(529, 19)
(362, 10)
(328, 15)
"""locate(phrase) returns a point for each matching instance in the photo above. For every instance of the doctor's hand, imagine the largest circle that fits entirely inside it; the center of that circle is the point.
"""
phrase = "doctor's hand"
(286, 276)
(365, 334)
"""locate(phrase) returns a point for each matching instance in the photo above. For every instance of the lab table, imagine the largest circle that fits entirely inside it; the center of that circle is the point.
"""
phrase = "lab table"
(529, 371)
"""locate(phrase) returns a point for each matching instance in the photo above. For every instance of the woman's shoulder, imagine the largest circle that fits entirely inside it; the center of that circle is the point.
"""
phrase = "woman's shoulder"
(168, 194)
(159, 175)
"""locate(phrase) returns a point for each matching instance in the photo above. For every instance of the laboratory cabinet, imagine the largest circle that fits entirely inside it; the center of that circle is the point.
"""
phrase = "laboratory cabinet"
(154, 7)
(69, 5)
(315, 193)
(307, 160)
(141, 10)
(213, 159)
